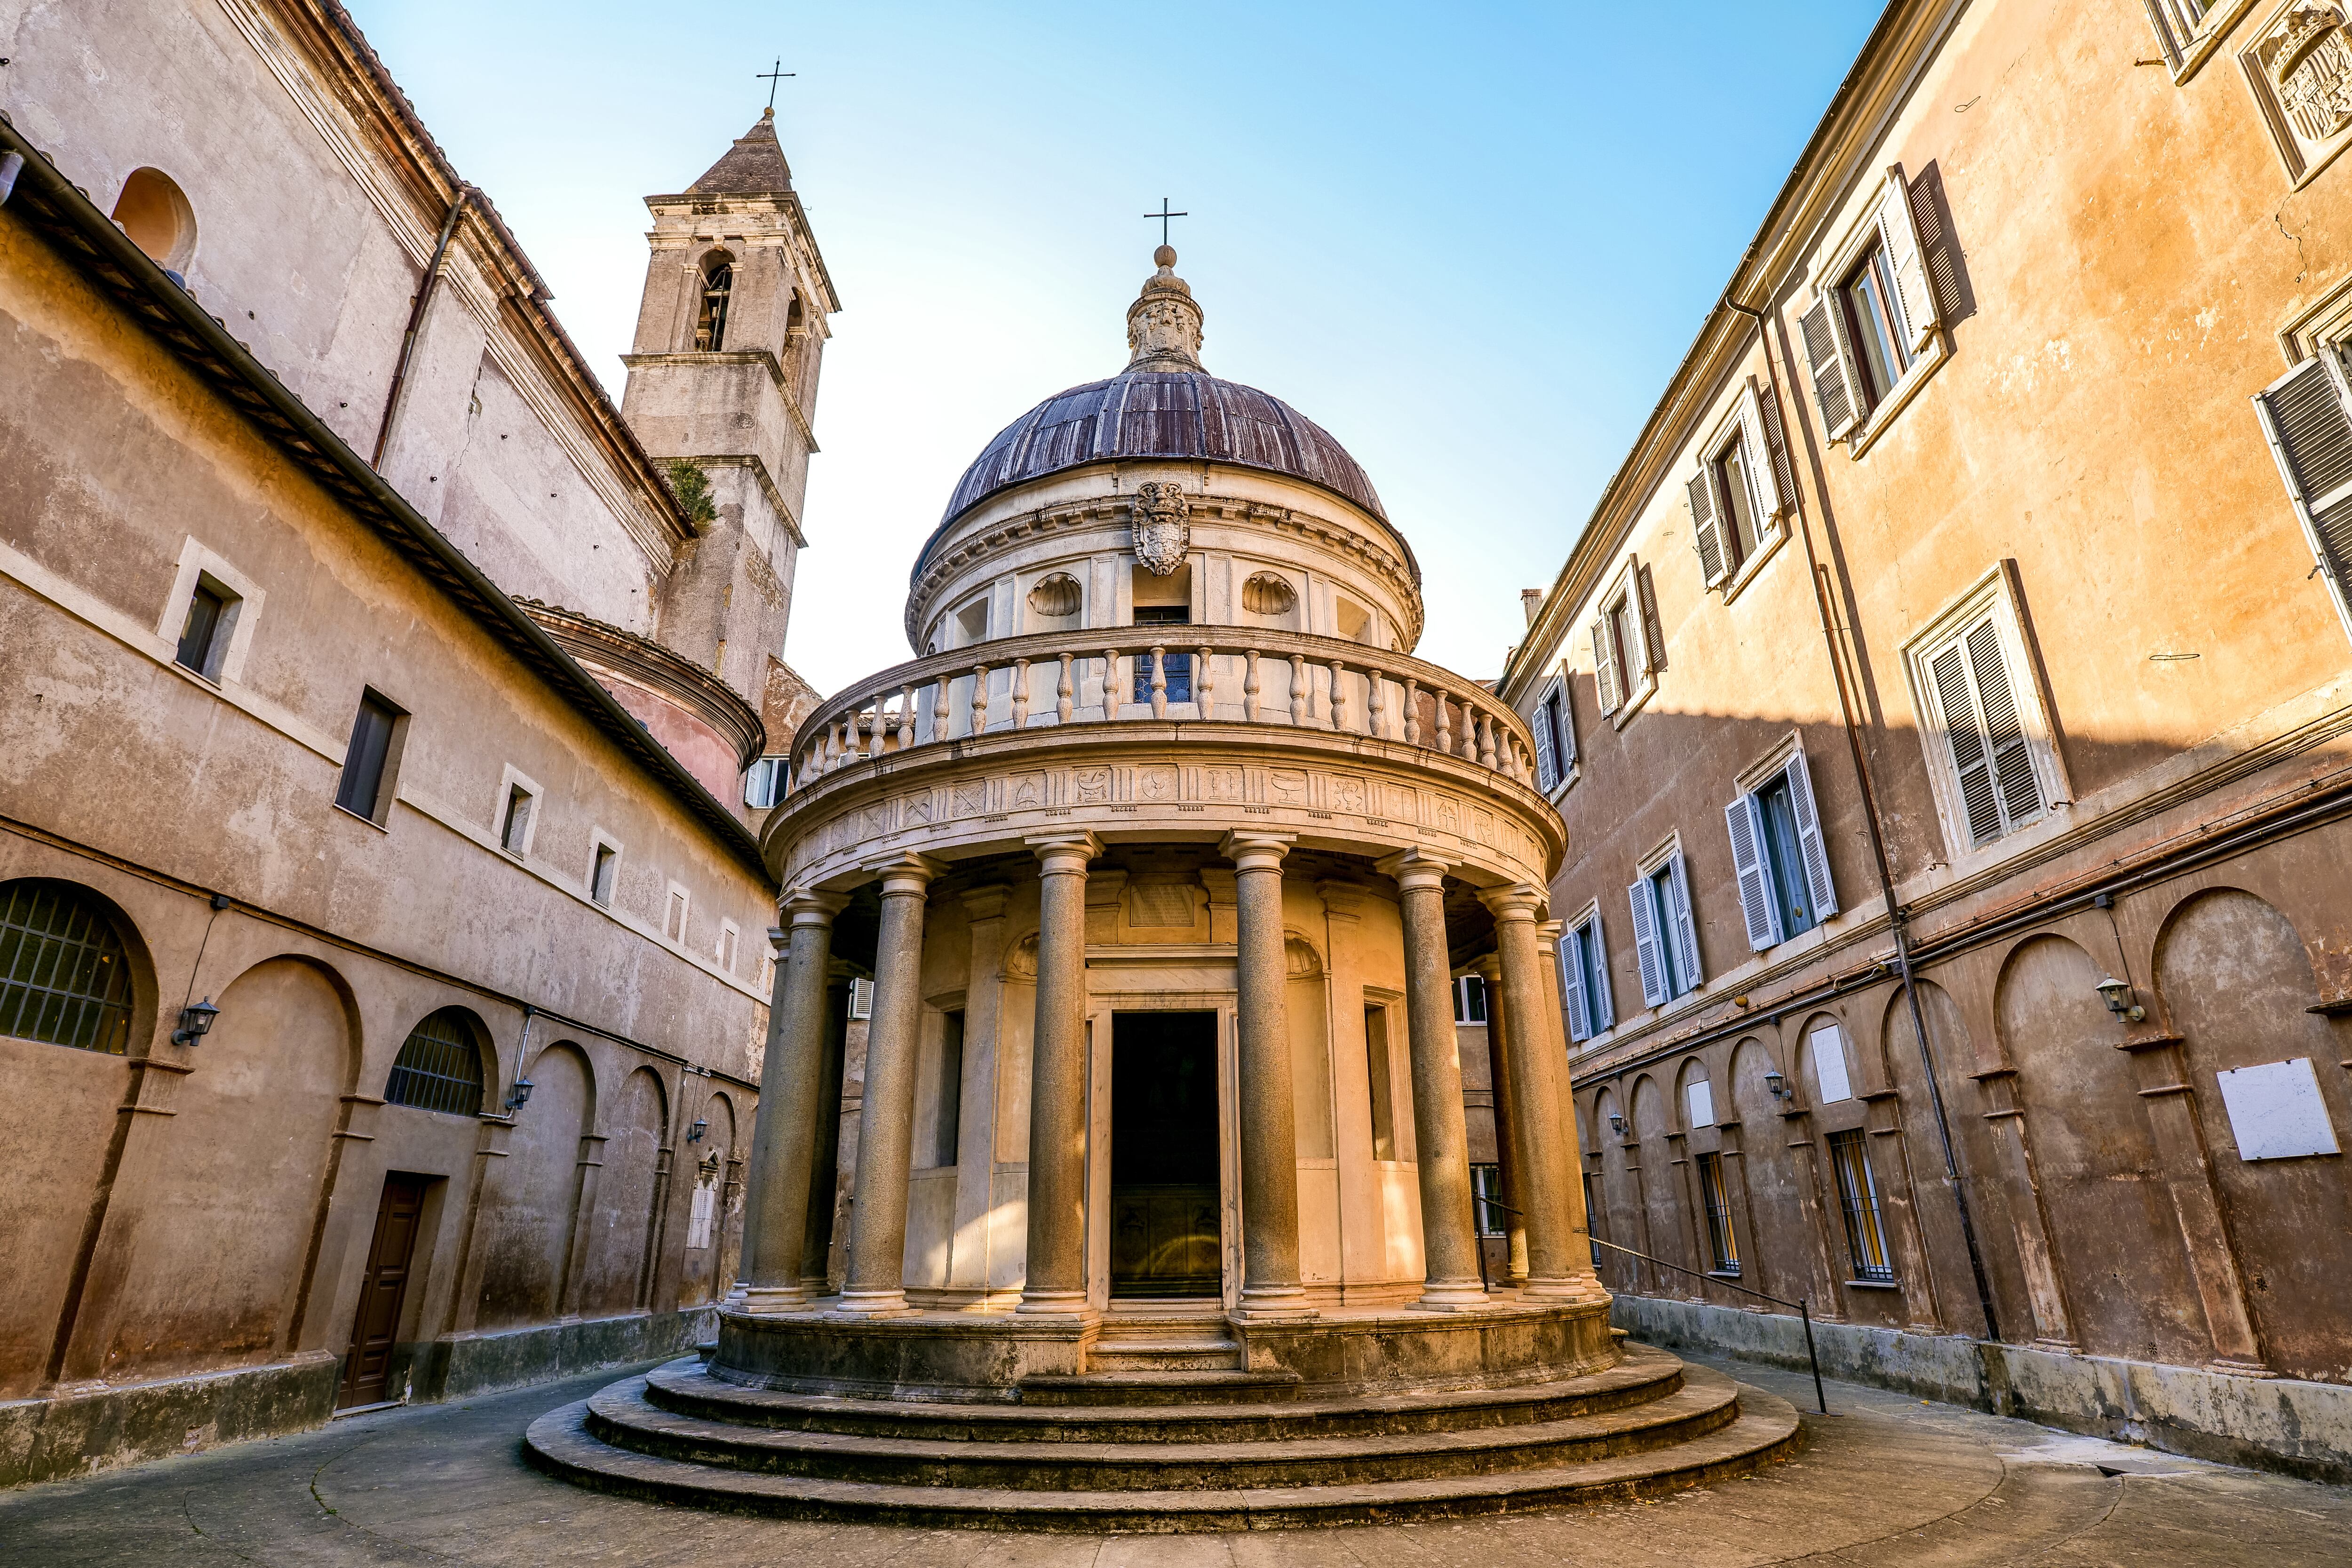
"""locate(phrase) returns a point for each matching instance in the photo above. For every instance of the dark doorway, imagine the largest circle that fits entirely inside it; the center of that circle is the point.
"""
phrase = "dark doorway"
(367, 1366)
(1165, 1237)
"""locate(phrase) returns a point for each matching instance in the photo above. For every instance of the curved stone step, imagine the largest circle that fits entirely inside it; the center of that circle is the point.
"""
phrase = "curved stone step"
(620, 1416)
(1767, 1429)
(1165, 1354)
(1195, 1385)
(1200, 1407)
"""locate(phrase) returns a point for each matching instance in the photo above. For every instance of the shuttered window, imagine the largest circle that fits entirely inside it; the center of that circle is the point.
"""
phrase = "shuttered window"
(1584, 980)
(2177, 24)
(2303, 413)
(1975, 695)
(1555, 735)
(1875, 314)
(1665, 936)
(1629, 644)
(1783, 871)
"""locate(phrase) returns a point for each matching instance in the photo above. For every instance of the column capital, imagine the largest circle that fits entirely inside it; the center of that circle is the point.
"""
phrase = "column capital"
(905, 873)
(986, 902)
(1059, 854)
(1488, 966)
(778, 938)
(1548, 936)
(1516, 901)
(808, 907)
(1414, 868)
(1256, 851)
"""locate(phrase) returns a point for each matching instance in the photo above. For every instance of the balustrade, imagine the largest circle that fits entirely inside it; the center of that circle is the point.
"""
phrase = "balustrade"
(1063, 677)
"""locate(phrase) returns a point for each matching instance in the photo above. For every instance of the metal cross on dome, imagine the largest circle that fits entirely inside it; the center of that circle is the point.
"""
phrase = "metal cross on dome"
(1163, 215)
(775, 78)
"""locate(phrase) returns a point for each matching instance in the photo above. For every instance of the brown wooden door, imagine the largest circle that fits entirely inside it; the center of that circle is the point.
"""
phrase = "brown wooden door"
(367, 1367)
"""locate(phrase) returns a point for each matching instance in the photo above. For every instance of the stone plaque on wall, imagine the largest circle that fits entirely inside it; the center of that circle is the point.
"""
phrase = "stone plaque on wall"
(2300, 67)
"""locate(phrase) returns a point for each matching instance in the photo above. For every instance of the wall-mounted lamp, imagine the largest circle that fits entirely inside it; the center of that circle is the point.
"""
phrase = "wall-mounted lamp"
(1617, 1123)
(195, 1023)
(519, 1096)
(694, 1133)
(2117, 994)
(1776, 1084)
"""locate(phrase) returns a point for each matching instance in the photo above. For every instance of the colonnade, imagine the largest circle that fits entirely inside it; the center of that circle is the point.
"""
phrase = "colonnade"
(1550, 1254)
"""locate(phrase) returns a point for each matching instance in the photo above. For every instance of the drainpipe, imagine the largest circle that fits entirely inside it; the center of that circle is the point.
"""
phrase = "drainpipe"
(416, 309)
(1895, 916)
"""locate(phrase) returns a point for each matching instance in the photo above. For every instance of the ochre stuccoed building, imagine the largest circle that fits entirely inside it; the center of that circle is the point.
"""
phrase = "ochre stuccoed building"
(1972, 612)
(383, 955)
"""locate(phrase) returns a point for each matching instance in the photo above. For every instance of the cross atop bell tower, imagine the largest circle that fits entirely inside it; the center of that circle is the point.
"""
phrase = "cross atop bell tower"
(723, 378)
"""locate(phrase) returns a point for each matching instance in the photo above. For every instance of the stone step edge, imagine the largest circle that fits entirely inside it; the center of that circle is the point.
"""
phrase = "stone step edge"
(623, 1407)
(1643, 1366)
(1767, 1432)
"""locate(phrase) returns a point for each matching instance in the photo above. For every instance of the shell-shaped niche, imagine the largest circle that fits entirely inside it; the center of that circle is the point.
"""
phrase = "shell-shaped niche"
(1056, 597)
(1265, 593)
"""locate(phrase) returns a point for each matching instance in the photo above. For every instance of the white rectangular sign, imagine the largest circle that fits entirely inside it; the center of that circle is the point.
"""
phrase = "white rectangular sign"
(1829, 1065)
(2275, 1112)
(1702, 1104)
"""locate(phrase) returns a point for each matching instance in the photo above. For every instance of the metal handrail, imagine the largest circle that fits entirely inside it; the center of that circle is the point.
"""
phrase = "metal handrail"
(1803, 1310)
(1237, 674)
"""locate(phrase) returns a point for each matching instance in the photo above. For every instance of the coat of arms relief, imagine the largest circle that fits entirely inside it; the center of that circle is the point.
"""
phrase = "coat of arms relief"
(1161, 533)
(2300, 66)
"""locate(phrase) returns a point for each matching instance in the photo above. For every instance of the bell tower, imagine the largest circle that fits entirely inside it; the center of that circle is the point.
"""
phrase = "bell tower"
(730, 335)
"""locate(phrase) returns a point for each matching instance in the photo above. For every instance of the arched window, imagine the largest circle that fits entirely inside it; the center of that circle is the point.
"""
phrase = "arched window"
(711, 326)
(158, 218)
(440, 1065)
(65, 975)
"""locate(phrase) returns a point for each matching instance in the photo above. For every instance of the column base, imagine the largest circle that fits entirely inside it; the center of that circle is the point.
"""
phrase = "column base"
(1051, 1304)
(1567, 1289)
(1274, 1303)
(1454, 1296)
(770, 1299)
(873, 1303)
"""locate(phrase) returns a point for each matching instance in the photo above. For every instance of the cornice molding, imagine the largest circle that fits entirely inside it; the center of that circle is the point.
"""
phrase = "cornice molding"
(641, 661)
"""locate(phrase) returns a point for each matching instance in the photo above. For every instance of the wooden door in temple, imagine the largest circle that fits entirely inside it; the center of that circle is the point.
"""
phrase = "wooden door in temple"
(1165, 1234)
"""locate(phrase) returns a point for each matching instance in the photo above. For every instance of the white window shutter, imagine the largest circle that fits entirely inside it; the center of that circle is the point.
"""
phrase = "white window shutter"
(1653, 630)
(1571, 986)
(1776, 442)
(1686, 928)
(1705, 530)
(1565, 737)
(1810, 848)
(2164, 36)
(2013, 758)
(1604, 665)
(1602, 1006)
(1833, 368)
(1756, 903)
(2304, 415)
(1762, 460)
(1546, 762)
(1645, 945)
(1899, 231)
(1971, 759)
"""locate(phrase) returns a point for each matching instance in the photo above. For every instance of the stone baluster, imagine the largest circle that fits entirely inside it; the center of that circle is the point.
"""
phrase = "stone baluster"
(792, 1080)
(877, 1241)
(1020, 693)
(980, 700)
(1338, 714)
(1269, 1128)
(1486, 740)
(1444, 722)
(1379, 726)
(1159, 681)
(1251, 689)
(1204, 683)
(1441, 1131)
(1302, 691)
(1064, 694)
(1412, 711)
(1111, 693)
(942, 701)
(905, 727)
(1560, 1260)
(1055, 1268)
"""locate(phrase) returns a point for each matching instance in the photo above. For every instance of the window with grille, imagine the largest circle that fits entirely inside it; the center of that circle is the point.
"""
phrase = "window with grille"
(1487, 1198)
(1722, 1247)
(65, 975)
(1866, 1237)
(440, 1065)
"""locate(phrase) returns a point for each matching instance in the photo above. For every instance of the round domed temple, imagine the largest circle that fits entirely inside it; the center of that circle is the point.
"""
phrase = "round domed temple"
(1158, 864)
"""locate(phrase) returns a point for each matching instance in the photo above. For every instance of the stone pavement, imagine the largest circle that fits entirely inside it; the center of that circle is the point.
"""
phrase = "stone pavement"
(1885, 1480)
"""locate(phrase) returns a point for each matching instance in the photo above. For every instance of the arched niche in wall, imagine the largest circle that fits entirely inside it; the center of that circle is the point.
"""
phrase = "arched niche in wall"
(1310, 1048)
(1668, 1224)
(535, 1191)
(1934, 1203)
(622, 1227)
(2237, 981)
(157, 216)
(1777, 1247)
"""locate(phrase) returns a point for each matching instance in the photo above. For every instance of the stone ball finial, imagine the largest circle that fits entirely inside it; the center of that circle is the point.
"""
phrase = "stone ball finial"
(1164, 257)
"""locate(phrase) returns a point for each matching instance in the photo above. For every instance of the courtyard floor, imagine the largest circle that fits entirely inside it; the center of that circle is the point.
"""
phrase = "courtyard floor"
(1885, 1480)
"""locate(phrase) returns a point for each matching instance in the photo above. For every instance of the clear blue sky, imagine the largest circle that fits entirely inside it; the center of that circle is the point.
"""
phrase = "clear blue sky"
(1471, 241)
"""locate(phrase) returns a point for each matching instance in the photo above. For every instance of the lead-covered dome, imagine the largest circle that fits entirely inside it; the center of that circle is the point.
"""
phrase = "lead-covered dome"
(1153, 413)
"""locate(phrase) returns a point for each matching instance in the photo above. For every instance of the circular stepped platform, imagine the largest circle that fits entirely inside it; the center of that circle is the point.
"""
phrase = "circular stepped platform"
(1126, 1459)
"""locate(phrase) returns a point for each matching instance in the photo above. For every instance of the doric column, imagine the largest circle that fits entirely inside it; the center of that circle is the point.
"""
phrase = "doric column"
(1509, 1141)
(1559, 1261)
(877, 1236)
(1555, 1013)
(1449, 1234)
(1270, 1126)
(792, 1086)
(1055, 1265)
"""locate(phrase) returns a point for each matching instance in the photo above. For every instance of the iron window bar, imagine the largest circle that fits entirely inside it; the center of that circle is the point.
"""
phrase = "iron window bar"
(1803, 1311)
